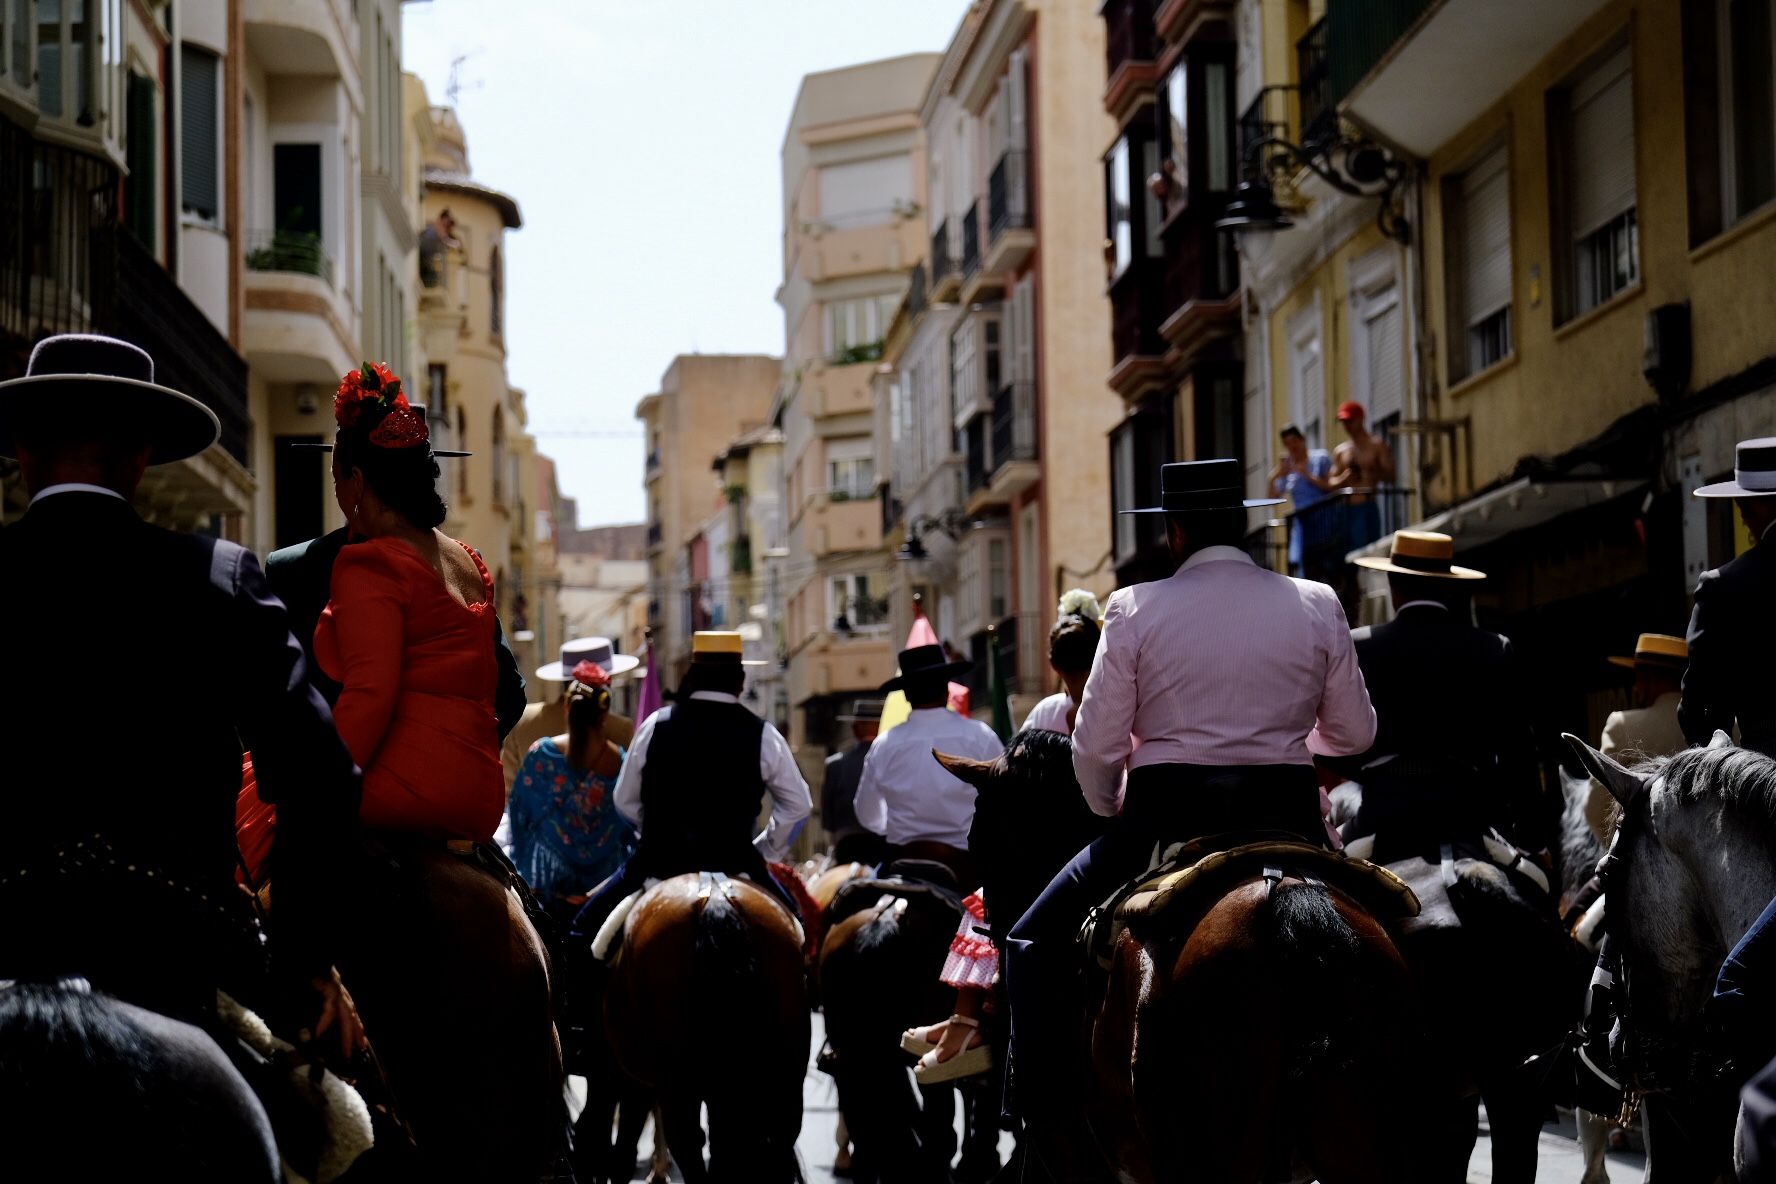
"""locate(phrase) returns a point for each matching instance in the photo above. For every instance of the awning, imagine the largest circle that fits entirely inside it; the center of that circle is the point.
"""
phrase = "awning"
(1508, 509)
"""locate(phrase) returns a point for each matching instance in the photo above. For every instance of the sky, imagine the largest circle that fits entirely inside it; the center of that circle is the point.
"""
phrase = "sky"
(642, 143)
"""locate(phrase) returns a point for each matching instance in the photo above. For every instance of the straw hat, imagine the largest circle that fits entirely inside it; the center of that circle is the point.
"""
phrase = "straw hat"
(720, 647)
(1661, 650)
(1421, 553)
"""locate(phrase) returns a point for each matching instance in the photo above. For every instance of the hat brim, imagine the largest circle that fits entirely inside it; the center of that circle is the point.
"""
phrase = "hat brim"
(899, 682)
(1669, 660)
(329, 448)
(556, 672)
(178, 425)
(1731, 489)
(1251, 503)
(1377, 563)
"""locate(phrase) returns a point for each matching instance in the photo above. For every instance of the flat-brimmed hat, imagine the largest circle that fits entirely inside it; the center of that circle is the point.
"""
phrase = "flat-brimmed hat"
(1754, 471)
(597, 650)
(720, 647)
(1189, 485)
(864, 711)
(1421, 553)
(921, 663)
(86, 377)
(1658, 650)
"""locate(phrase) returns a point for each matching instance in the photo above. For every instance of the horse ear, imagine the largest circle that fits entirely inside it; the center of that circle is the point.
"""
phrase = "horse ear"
(1720, 740)
(977, 773)
(1623, 784)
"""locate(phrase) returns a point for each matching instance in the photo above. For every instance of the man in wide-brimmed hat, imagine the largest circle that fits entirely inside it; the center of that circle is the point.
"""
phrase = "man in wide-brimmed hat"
(851, 843)
(1732, 633)
(695, 778)
(1650, 728)
(907, 797)
(1452, 756)
(1211, 693)
(193, 657)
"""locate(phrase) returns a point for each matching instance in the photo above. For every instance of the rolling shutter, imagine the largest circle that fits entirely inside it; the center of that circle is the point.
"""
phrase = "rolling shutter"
(1602, 144)
(1486, 237)
(199, 130)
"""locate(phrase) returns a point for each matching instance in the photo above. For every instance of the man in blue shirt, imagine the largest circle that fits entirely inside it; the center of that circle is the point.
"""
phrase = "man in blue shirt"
(1302, 474)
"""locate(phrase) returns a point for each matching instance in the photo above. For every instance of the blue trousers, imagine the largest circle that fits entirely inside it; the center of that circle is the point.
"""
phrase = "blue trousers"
(1744, 1007)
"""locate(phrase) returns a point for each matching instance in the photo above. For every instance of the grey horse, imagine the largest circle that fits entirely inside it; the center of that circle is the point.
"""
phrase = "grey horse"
(1693, 864)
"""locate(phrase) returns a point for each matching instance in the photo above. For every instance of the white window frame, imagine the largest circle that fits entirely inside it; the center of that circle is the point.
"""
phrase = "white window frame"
(1307, 340)
(1621, 227)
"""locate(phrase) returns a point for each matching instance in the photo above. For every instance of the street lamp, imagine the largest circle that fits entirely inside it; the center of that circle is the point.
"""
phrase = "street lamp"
(951, 523)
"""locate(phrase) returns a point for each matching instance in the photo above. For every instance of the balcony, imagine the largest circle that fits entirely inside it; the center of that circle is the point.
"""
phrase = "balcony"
(288, 250)
(977, 472)
(971, 255)
(1138, 306)
(740, 556)
(946, 277)
(302, 37)
(1014, 440)
(1406, 68)
(655, 535)
(917, 297)
(298, 327)
(841, 522)
(1010, 240)
(1131, 49)
(842, 386)
(1201, 285)
(1319, 114)
(1319, 537)
(653, 464)
(58, 243)
(834, 253)
(1184, 20)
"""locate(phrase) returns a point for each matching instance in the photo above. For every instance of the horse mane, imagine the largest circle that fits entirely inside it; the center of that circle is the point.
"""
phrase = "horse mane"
(1041, 760)
(1741, 778)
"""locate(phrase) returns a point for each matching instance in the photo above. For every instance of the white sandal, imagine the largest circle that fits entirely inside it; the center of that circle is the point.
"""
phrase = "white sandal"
(977, 1058)
(920, 1041)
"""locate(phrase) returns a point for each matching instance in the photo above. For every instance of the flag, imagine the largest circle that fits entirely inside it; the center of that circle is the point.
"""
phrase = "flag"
(651, 691)
(1001, 698)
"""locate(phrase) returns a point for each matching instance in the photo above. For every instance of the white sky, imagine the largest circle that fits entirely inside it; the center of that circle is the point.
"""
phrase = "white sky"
(641, 140)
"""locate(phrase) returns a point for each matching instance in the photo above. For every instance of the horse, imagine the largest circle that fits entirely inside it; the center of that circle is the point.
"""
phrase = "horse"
(825, 884)
(1213, 1051)
(1691, 867)
(455, 987)
(707, 1005)
(1579, 853)
(94, 1088)
(1500, 982)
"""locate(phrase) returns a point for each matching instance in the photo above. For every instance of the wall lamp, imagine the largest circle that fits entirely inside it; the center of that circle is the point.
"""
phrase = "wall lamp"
(950, 523)
(1342, 158)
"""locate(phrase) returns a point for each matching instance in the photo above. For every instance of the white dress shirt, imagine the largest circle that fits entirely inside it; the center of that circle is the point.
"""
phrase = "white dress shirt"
(1051, 714)
(906, 796)
(790, 801)
(1225, 663)
(73, 487)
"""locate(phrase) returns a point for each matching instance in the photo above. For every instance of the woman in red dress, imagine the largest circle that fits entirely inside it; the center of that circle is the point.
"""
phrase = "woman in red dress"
(449, 973)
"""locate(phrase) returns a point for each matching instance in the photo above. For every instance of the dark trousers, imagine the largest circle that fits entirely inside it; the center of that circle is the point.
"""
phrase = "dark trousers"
(1042, 961)
(642, 867)
(1745, 993)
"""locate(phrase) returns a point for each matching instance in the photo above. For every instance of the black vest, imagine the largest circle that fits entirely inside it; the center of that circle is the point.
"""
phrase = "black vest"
(701, 789)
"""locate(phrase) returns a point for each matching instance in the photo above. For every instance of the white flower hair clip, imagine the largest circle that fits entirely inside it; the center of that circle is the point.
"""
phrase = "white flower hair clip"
(1077, 602)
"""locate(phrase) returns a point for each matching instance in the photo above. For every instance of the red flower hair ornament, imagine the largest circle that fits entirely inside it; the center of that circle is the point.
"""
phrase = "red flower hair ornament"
(591, 674)
(377, 389)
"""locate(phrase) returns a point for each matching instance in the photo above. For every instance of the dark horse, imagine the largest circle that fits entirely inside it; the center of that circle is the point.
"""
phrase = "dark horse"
(707, 1005)
(1265, 1036)
(1500, 981)
(96, 1089)
(1692, 864)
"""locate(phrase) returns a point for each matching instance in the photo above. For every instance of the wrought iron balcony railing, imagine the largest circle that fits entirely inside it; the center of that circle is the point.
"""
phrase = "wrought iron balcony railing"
(288, 250)
(943, 262)
(971, 252)
(1319, 112)
(1014, 424)
(1008, 198)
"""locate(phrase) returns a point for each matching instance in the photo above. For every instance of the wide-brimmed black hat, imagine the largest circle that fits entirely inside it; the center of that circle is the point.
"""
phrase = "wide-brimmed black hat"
(1754, 471)
(85, 377)
(924, 662)
(1190, 485)
(418, 409)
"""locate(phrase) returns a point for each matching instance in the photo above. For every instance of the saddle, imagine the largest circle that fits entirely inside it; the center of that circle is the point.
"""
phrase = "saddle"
(1188, 876)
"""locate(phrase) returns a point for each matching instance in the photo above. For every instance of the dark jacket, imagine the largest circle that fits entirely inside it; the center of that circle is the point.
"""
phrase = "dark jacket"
(140, 662)
(838, 791)
(302, 577)
(1732, 651)
(1449, 695)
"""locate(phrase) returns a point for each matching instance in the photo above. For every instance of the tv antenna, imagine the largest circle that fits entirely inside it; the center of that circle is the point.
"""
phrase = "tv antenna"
(453, 89)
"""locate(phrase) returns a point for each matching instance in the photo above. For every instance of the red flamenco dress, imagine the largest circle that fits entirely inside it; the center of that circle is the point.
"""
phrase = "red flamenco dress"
(417, 711)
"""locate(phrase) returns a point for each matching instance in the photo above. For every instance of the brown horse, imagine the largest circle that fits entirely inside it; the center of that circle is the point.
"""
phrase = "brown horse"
(453, 982)
(707, 1006)
(1262, 1035)
(824, 886)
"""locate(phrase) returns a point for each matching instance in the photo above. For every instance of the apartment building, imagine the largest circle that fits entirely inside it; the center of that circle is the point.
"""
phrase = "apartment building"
(704, 403)
(853, 227)
(1577, 343)
(750, 473)
(1000, 375)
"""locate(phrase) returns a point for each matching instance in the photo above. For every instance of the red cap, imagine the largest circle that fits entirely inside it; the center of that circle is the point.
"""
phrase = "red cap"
(1351, 410)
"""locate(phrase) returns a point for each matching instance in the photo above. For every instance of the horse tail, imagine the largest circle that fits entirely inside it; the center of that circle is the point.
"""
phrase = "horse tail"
(1317, 950)
(727, 965)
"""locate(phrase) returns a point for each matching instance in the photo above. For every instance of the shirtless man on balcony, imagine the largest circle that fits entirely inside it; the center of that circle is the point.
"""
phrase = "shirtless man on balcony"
(1361, 464)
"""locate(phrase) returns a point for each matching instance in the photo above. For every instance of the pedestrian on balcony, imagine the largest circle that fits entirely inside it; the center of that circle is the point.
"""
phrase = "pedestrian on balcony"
(437, 238)
(1304, 476)
(1072, 644)
(1362, 464)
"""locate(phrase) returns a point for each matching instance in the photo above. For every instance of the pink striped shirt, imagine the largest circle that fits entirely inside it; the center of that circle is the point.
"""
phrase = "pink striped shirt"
(1224, 663)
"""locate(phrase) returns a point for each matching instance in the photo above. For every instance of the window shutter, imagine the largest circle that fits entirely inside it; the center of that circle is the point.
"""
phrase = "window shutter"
(1387, 367)
(1603, 144)
(142, 139)
(1014, 98)
(1486, 237)
(199, 130)
(1024, 314)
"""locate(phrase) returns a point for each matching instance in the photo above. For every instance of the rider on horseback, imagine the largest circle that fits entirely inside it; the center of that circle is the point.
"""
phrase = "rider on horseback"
(1453, 764)
(694, 780)
(1212, 690)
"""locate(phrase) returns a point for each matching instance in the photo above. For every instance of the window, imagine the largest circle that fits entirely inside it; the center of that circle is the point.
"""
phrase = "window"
(200, 137)
(1117, 188)
(865, 192)
(850, 468)
(852, 605)
(1596, 170)
(499, 456)
(1747, 105)
(142, 152)
(998, 580)
(68, 45)
(1307, 379)
(496, 282)
(1478, 234)
(1174, 133)
(1133, 214)
(437, 391)
(1139, 445)
(856, 327)
(15, 42)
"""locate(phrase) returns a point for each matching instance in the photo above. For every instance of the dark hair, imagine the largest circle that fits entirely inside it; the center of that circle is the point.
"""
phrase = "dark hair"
(928, 688)
(586, 707)
(406, 479)
(1291, 430)
(1073, 643)
(1451, 594)
(724, 678)
(1212, 528)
